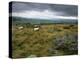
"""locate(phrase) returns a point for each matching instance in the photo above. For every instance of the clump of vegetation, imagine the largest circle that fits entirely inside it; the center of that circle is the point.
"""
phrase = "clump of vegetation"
(66, 27)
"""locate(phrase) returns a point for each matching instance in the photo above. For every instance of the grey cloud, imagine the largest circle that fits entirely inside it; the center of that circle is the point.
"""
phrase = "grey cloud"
(68, 10)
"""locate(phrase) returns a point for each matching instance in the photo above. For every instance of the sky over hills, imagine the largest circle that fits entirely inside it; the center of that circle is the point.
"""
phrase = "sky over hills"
(44, 11)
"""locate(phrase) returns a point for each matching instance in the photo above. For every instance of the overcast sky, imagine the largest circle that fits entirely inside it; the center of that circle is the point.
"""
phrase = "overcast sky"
(44, 11)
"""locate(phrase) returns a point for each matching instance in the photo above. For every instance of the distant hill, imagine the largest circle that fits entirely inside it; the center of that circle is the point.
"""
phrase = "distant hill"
(42, 21)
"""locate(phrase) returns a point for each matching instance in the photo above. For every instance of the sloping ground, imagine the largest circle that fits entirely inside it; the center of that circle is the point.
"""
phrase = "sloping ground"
(50, 40)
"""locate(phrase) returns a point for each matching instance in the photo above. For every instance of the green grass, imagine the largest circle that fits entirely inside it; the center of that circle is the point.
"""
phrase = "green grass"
(26, 42)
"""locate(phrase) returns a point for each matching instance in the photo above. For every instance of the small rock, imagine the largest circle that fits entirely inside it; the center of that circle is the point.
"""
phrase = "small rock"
(31, 56)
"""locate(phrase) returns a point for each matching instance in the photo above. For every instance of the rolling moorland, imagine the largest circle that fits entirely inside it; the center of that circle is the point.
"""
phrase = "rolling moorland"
(54, 38)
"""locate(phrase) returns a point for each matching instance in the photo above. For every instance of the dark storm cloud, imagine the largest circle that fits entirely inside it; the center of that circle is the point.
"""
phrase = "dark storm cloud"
(67, 10)
(17, 7)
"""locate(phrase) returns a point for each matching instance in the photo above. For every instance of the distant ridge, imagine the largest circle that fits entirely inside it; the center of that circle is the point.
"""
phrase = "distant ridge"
(42, 21)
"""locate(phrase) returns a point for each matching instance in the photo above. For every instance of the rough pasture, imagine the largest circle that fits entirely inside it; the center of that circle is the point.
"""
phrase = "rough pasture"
(50, 40)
